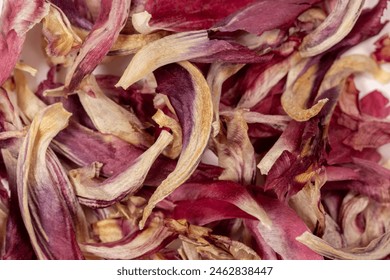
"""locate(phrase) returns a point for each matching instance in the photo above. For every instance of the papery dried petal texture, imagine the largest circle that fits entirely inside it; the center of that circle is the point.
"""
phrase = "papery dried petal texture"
(382, 51)
(112, 17)
(223, 191)
(94, 193)
(248, 18)
(378, 248)
(44, 188)
(14, 26)
(191, 99)
(180, 16)
(209, 246)
(154, 236)
(172, 48)
(335, 27)
(235, 151)
(109, 117)
(59, 35)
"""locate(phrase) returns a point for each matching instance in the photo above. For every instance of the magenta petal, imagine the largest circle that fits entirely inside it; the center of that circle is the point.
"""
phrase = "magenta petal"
(375, 104)
(257, 18)
(17, 245)
(193, 15)
(225, 192)
(113, 16)
(286, 227)
(14, 26)
(203, 211)
(44, 191)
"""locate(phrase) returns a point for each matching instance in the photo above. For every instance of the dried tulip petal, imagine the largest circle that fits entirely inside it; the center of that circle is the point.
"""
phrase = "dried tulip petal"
(42, 187)
(102, 194)
(334, 28)
(112, 17)
(109, 117)
(195, 113)
(14, 26)
(145, 242)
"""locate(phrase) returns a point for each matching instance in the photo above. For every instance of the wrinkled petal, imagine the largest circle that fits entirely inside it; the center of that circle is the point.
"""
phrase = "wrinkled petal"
(113, 15)
(109, 117)
(288, 141)
(218, 74)
(154, 236)
(209, 246)
(192, 102)
(266, 80)
(43, 188)
(382, 51)
(14, 26)
(334, 28)
(235, 151)
(286, 226)
(59, 35)
(307, 204)
(379, 248)
(173, 151)
(298, 91)
(172, 48)
(102, 194)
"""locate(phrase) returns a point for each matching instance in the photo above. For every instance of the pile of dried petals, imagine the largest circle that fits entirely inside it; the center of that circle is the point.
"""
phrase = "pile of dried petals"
(235, 132)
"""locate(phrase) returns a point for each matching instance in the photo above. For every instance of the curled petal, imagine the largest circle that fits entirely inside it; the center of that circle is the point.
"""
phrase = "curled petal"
(352, 64)
(335, 79)
(59, 34)
(351, 208)
(43, 188)
(173, 151)
(224, 191)
(288, 141)
(95, 194)
(113, 16)
(266, 80)
(109, 117)
(191, 45)
(172, 48)
(235, 151)
(286, 226)
(190, 96)
(218, 74)
(298, 91)
(379, 248)
(307, 204)
(334, 28)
